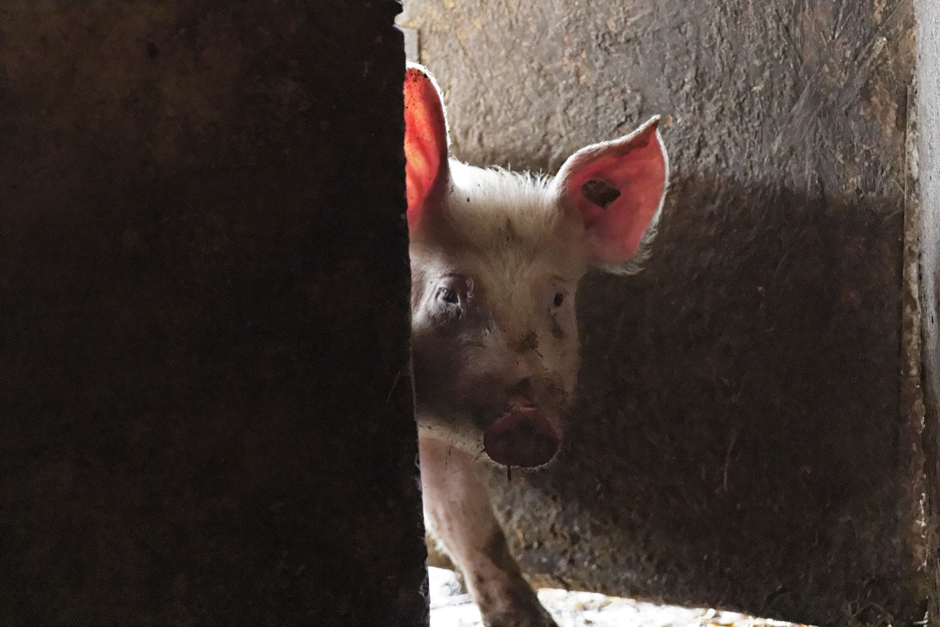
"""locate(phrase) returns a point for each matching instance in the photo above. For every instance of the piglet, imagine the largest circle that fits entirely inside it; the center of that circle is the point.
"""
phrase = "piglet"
(496, 258)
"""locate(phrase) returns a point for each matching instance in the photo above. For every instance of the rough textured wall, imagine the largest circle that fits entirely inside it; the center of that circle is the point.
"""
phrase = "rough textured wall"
(203, 316)
(740, 438)
(928, 124)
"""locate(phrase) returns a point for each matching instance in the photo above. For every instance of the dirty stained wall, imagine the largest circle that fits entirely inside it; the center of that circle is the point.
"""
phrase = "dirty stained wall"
(204, 316)
(741, 438)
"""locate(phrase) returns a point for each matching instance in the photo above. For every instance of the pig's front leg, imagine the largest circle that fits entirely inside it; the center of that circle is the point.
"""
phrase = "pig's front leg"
(460, 516)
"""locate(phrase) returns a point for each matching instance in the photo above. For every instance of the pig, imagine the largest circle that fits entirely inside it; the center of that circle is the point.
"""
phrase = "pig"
(496, 258)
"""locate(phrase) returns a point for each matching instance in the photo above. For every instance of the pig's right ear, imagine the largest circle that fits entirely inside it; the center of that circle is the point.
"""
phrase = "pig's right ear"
(617, 189)
(425, 143)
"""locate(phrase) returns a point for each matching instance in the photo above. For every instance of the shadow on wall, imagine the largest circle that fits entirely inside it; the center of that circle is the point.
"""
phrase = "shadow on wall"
(738, 434)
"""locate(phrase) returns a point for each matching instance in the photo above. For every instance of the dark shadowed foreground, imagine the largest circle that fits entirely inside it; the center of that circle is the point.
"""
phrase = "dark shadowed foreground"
(204, 316)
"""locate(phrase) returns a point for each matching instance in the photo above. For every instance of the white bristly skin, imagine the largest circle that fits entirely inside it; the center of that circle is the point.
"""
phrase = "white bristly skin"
(504, 233)
(496, 258)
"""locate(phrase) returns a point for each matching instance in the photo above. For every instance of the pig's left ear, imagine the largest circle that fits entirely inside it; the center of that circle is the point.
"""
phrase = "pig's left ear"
(426, 168)
(617, 188)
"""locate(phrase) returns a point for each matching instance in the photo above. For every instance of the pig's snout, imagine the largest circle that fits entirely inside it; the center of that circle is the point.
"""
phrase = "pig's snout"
(521, 437)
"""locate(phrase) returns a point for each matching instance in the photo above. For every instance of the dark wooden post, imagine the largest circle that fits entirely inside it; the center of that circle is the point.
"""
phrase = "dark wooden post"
(205, 408)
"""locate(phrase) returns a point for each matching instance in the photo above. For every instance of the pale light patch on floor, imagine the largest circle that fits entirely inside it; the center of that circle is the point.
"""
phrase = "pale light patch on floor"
(450, 608)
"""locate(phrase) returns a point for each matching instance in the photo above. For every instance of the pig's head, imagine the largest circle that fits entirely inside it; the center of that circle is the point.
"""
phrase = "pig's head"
(496, 258)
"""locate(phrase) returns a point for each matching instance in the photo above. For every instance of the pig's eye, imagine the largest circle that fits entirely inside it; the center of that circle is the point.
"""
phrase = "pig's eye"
(448, 295)
(559, 299)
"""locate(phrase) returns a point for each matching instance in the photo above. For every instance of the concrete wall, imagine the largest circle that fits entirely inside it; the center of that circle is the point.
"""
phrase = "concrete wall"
(741, 438)
(205, 413)
(928, 124)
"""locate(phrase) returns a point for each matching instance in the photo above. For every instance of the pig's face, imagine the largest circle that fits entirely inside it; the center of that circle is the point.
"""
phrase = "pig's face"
(494, 336)
(496, 258)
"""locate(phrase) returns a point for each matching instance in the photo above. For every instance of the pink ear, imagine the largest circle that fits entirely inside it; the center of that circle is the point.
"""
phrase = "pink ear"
(425, 141)
(617, 188)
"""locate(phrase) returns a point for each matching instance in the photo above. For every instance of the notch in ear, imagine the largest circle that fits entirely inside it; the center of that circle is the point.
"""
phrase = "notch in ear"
(617, 189)
(425, 141)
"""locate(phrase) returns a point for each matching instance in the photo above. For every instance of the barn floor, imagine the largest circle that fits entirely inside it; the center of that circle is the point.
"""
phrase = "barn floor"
(451, 608)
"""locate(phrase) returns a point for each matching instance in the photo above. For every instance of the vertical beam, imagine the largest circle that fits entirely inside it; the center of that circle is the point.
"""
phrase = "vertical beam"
(928, 169)
(205, 411)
